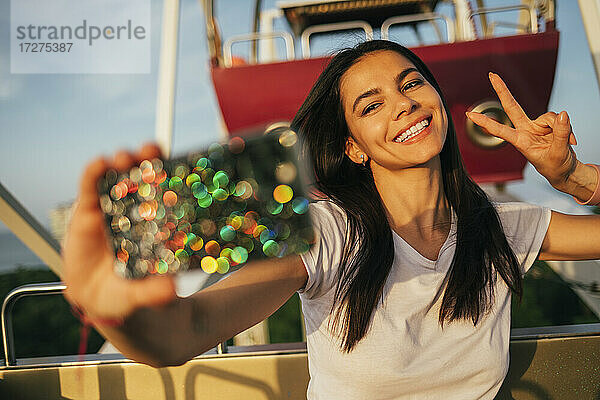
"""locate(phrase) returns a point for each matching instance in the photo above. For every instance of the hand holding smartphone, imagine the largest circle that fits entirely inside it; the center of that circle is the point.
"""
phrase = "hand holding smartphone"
(214, 209)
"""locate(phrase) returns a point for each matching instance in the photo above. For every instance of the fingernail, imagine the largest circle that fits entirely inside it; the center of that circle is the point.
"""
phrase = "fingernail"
(563, 117)
(491, 74)
(572, 139)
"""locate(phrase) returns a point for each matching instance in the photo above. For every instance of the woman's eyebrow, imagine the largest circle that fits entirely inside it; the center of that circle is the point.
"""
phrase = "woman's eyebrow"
(399, 78)
(368, 93)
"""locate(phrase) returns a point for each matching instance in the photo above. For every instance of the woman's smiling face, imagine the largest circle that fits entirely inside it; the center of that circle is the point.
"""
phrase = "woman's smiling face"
(395, 116)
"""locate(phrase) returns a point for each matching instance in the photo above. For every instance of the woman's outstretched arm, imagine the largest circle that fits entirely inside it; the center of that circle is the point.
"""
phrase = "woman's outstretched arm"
(546, 143)
(158, 328)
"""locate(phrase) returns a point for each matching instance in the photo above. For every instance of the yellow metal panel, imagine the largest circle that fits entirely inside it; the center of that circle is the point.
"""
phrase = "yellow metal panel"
(245, 377)
(557, 368)
(561, 368)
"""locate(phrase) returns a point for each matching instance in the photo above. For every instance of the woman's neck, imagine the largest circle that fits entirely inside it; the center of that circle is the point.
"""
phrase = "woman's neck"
(414, 199)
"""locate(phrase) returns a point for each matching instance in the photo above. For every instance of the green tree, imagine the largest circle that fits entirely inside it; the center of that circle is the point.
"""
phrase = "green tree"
(548, 300)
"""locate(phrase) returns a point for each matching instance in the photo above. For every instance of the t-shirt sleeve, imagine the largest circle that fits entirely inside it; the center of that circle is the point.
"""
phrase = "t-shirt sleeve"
(525, 226)
(323, 258)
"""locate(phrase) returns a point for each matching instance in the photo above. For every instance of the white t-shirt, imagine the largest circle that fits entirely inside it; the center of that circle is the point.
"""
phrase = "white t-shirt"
(406, 354)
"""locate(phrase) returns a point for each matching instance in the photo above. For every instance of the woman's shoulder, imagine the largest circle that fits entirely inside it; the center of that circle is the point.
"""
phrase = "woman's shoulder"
(525, 227)
(326, 206)
(513, 206)
(328, 218)
(515, 211)
(322, 260)
(518, 218)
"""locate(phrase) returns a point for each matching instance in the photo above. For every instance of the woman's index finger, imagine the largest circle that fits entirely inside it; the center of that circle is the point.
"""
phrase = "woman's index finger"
(511, 106)
(494, 127)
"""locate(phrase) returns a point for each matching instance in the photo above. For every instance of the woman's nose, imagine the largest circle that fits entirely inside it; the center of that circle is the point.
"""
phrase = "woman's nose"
(403, 105)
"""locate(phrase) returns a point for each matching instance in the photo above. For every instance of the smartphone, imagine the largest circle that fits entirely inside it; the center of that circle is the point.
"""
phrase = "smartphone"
(214, 209)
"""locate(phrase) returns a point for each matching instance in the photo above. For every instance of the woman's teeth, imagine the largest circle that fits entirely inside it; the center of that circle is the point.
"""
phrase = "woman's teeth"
(412, 131)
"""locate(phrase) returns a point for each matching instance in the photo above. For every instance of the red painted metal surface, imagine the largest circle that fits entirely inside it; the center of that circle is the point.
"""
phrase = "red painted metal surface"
(252, 96)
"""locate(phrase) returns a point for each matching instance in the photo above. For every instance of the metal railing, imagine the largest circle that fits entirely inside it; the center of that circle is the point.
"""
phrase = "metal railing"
(533, 27)
(405, 19)
(530, 27)
(286, 36)
(535, 333)
(36, 289)
(327, 28)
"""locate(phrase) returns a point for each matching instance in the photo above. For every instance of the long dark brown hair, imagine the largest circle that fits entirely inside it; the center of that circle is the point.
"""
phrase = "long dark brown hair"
(481, 249)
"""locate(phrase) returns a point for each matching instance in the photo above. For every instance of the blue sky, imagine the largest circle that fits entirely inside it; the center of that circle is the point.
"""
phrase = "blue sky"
(51, 125)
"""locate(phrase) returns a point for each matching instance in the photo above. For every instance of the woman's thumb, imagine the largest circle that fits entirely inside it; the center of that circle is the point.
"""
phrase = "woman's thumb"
(563, 129)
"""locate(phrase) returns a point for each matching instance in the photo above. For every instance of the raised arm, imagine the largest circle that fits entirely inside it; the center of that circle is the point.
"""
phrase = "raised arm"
(546, 143)
(158, 328)
(186, 327)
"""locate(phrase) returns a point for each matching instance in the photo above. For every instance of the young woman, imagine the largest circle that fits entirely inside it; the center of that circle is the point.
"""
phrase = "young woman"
(406, 292)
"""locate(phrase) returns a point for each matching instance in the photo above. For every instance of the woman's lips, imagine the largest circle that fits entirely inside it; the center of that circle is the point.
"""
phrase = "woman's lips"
(416, 131)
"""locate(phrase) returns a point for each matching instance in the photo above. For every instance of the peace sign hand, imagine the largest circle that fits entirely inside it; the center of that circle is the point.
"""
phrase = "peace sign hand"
(545, 141)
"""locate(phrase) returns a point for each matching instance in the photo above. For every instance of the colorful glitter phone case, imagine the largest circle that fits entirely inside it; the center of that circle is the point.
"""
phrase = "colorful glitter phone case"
(213, 209)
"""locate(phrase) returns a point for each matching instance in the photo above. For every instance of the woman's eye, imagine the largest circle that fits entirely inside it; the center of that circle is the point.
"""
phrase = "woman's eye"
(412, 84)
(370, 108)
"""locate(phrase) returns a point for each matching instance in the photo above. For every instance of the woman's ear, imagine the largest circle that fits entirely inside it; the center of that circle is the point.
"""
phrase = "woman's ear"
(354, 152)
